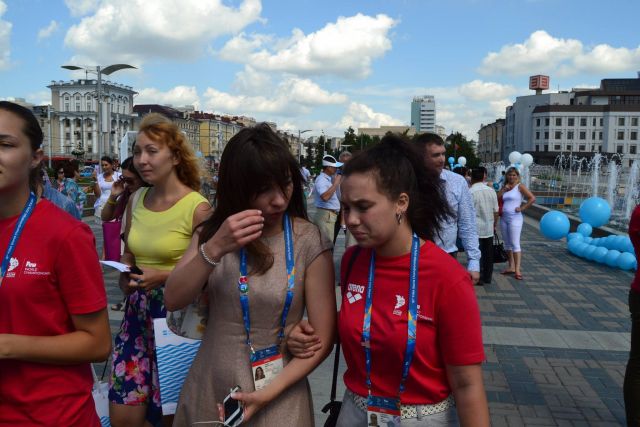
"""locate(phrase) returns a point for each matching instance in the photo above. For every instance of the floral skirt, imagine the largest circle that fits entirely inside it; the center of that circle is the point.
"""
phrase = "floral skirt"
(134, 369)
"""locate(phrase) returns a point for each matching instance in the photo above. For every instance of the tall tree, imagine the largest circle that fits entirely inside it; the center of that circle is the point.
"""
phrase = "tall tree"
(457, 145)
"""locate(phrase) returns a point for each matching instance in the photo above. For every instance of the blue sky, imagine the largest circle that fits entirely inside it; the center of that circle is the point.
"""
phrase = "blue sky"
(322, 65)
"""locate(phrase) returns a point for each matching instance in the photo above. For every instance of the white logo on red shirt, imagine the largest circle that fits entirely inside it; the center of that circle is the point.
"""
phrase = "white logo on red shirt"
(399, 302)
(354, 292)
(31, 268)
(13, 263)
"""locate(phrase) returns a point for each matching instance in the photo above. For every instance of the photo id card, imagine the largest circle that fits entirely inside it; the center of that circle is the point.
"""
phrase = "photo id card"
(266, 364)
(383, 412)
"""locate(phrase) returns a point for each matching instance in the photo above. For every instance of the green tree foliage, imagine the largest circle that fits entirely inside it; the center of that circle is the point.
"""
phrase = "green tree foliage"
(463, 147)
(317, 161)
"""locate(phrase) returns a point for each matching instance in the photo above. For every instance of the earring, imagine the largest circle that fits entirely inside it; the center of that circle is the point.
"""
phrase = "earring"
(399, 217)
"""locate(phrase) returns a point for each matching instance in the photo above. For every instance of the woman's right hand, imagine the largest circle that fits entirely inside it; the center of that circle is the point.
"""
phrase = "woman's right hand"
(124, 282)
(236, 231)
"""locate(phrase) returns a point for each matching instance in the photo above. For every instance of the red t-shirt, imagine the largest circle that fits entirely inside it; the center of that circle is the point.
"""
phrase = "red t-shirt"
(634, 235)
(448, 329)
(54, 273)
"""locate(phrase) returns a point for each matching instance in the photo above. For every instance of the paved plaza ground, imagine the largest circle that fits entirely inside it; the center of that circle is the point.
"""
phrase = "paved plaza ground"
(556, 342)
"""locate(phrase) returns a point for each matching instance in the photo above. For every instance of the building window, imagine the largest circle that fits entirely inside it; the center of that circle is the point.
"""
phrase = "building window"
(593, 122)
(571, 121)
(558, 121)
(546, 148)
(66, 106)
(546, 135)
(77, 106)
(582, 148)
(537, 135)
(600, 136)
(633, 136)
(67, 135)
(538, 122)
(537, 148)
(600, 148)
(89, 135)
(620, 121)
(88, 106)
(634, 121)
(557, 147)
(583, 135)
(619, 149)
(620, 135)
(77, 97)
(593, 148)
(570, 134)
(593, 136)
(583, 121)
(546, 121)
(601, 122)
(632, 149)
(558, 134)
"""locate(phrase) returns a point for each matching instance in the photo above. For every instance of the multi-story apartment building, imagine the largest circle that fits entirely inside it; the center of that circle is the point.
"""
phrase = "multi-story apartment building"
(72, 121)
(489, 147)
(216, 130)
(582, 122)
(423, 113)
(383, 130)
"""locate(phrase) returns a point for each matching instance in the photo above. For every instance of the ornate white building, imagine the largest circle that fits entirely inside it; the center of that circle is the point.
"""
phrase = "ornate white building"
(74, 117)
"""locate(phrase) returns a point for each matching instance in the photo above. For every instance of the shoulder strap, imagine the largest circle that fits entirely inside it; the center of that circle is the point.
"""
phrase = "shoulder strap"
(129, 211)
(336, 360)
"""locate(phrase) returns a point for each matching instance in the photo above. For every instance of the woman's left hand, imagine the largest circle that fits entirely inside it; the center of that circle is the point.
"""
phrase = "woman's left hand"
(150, 278)
(251, 402)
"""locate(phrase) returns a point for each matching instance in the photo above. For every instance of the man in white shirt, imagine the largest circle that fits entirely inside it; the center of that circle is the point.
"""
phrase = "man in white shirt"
(325, 196)
(485, 203)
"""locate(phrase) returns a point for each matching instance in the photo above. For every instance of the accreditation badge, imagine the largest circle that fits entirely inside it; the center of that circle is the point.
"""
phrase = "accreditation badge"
(383, 412)
(266, 364)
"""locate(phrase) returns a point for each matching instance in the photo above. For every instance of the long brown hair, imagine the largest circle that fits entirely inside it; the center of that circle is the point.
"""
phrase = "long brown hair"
(253, 160)
(160, 129)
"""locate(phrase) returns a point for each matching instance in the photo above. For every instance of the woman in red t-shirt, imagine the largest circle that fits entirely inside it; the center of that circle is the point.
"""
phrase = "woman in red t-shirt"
(53, 317)
(393, 205)
(632, 374)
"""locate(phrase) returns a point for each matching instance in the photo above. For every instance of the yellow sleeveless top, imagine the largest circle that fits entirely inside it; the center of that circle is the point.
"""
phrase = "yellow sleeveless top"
(158, 239)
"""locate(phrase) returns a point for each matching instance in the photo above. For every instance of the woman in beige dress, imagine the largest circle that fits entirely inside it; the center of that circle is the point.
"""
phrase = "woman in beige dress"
(259, 205)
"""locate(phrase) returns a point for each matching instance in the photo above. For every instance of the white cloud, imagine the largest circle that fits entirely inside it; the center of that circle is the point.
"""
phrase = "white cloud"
(346, 48)
(178, 96)
(477, 90)
(540, 53)
(360, 115)
(5, 39)
(136, 30)
(252, 82)
(42, 97)
(81, 7)
(543, 53)
(292, 96)
(47, 31)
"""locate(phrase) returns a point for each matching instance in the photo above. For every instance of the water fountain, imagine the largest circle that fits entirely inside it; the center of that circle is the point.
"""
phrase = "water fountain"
(611, 185)
(595, 174)
(631, 199)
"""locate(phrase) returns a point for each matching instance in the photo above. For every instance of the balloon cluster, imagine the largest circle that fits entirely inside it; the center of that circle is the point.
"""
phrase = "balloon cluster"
(520, 161)
(613, 250)
(462, 161)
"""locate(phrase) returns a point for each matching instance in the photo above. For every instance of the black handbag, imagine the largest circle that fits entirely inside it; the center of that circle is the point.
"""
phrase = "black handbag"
(334, 406)
(499, 253)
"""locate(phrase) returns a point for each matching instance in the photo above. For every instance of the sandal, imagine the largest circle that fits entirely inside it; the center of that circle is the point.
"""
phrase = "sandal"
(518, 276)
(506, 272)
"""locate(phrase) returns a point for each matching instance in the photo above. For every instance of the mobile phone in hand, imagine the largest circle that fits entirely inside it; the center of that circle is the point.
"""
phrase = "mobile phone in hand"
(233, 410)
(135, 270)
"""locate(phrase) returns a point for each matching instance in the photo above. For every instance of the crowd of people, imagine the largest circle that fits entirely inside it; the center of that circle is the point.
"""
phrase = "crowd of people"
(409, 322)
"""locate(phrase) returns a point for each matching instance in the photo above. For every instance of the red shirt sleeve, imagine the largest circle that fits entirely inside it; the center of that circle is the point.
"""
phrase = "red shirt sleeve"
(79, 273)
(460, 334)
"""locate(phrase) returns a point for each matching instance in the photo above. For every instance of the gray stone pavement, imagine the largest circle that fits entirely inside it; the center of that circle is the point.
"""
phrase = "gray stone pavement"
(556, 342)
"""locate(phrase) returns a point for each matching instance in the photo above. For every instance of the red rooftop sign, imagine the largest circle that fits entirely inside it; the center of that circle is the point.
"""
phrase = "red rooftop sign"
(539, 82)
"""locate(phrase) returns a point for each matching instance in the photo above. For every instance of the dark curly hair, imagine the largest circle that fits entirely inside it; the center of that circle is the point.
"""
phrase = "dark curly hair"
(398, 167)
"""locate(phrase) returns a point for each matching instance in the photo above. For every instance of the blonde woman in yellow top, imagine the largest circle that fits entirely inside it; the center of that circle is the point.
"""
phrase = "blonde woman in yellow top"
(162, 221)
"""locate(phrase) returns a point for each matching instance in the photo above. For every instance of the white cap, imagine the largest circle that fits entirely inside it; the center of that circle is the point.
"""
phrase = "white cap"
(331, 161)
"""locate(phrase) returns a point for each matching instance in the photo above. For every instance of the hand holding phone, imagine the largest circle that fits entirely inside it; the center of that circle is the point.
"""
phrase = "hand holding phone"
(233, 410)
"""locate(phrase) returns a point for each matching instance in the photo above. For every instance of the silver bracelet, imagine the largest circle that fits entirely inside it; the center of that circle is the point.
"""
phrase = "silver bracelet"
(206, 257)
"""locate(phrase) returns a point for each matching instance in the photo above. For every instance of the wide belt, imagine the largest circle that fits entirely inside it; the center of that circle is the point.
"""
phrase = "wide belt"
(410, 411)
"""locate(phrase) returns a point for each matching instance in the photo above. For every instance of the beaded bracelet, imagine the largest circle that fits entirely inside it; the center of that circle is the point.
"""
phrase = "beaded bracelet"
(205, 257)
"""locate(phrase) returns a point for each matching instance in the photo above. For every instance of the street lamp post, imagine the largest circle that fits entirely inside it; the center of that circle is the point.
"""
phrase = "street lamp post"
(49, 111)
(300, 145)
(99, 71)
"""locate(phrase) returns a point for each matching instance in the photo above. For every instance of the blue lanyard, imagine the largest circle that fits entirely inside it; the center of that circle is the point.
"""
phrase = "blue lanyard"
(412, 314)
(243, 284)
(17, 231)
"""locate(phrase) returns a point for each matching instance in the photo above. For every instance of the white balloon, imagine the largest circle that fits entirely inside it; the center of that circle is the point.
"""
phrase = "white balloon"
(526, 159)
(462, 160)
(515, 157)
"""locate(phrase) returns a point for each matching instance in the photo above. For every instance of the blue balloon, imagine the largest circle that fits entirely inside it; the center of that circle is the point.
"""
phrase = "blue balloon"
(599, 254)
(572, 236)
(626, 261)
(554, 225)
(585, 229)
(628, 246)
(595, 211)
(621, 243)
(588, 253)
(581, 249)
(588, 240)
(496, 186)
(611, 258)
(451, 160)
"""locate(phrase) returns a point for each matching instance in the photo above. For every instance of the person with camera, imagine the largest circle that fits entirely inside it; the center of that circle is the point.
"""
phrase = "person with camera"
(160, 223)
(326, 198)
(409, 321)
(53, 305)
(262, 264)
